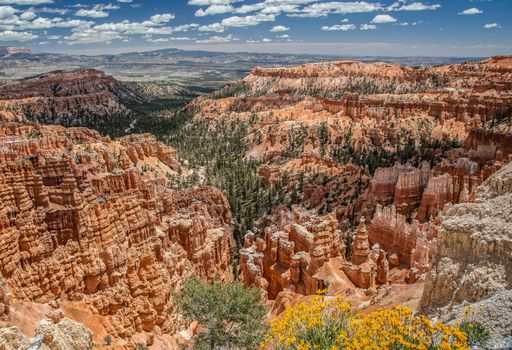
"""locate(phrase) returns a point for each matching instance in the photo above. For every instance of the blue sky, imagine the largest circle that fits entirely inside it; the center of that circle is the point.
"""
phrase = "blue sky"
(372, 27)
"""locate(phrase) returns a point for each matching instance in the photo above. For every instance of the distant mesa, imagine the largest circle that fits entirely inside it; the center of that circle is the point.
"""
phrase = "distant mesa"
(12, 50)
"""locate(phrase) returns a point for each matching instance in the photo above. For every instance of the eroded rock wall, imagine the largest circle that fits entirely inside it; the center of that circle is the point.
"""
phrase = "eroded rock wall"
(474, 245)
(90, 220)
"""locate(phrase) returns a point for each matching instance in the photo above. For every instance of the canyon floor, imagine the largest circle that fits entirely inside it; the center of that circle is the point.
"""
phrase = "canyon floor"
(383, 183)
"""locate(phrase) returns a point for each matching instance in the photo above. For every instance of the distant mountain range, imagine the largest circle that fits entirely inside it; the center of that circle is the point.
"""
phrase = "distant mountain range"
(199, 70)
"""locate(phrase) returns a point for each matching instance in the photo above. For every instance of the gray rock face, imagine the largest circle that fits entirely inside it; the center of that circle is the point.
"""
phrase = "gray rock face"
(474, 257)
(474, 260)
(494, 313)
(64, 335)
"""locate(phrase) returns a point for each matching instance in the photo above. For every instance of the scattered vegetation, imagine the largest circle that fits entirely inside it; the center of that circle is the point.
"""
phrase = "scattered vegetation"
(405, 150)
(238, 88)
(218, 148)
(107, 340)
(327, 323)
(500, 119)
(477, 334)
(141, 346)
(231, 314)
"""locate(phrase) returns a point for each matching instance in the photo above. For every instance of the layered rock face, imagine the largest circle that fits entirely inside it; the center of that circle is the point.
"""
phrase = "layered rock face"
(347, 76)
(426, 131)
(69, 97)
(300, 253)
(474, 244)
(91, 220)
(406, 220)
(294, 248)
(361, 113)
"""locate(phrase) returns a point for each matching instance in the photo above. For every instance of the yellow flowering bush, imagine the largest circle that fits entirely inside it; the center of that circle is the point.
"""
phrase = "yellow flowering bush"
(326, 323)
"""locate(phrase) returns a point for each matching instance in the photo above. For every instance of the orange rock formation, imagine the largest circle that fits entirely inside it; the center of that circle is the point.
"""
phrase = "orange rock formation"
(90, 220)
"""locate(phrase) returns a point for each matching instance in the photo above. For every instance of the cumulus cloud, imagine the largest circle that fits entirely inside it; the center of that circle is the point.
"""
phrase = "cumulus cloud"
(336, 7)
(211, 2)
(9, 35)
(168, 39)
(7, 12)
(471, 11)
(247, 21)
(217, 39)
(214, 27)
(28, 16)
(26, 2)
(415, 6)
(366, 26)
(279, 29)
(161, 18)
(214, 10)
(381, 19)
(492, 25)
(106, 32)
(91, 13)
(343, 27)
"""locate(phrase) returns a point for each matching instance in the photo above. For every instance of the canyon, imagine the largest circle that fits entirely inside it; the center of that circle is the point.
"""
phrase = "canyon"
(90, 222)
(434, 138)
(385, 173)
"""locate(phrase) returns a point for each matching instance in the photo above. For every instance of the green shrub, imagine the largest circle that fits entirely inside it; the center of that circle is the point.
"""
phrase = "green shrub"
(107, 340)
(141, 346)
(230, 313)
(477, 334)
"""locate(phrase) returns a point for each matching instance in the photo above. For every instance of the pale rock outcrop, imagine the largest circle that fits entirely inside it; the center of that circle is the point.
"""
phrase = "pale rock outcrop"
(474, 245)
(65, 334)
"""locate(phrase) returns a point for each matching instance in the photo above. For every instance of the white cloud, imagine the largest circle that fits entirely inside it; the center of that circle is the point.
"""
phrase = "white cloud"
(162, 18)
(26, 2)
(90, 35)
(28, 16)
(169, 39)
(250, 8)
(279, 29)
(214, 10)
(336, 7)
(471, 11)
(106, 32)
(366, 26)
(9, 35)
(91, 13)
(185, 27)
(211, 2)
(217, 39)
(266, 40)
(102, 7)
(380, 19)
(125, 1)
(492, 25)
(415, 6)
(214, 27)
(278, 9)
(60, 11)
(343, 27)
(246, 21)
(284, 36)
(7, 12)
